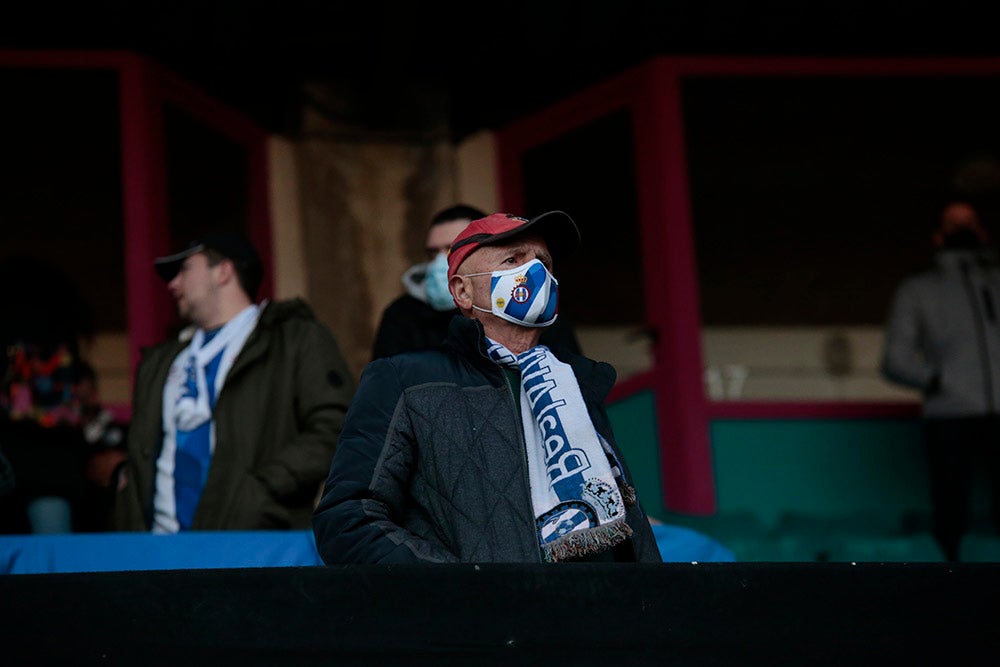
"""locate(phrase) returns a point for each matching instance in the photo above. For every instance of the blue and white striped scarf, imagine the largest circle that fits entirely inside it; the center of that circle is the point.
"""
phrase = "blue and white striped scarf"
(574, 473)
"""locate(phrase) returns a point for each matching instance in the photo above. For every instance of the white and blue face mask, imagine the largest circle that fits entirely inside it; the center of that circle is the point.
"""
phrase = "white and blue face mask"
(527, 295)
(436, 282)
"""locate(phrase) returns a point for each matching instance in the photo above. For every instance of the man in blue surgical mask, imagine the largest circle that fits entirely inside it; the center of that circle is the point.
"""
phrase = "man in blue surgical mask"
(494, 447)
(418, 319)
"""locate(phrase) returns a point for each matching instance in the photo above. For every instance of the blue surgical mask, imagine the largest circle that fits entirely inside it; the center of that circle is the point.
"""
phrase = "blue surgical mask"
(436, 282)
(527, 295)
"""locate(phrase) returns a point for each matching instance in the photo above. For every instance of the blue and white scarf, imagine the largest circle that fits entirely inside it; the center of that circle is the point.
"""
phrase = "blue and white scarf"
(187, 415)
(185, 396)
(576, 479)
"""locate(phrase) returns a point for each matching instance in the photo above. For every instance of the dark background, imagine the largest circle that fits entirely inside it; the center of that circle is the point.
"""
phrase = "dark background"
(461, 66)
(811, 199)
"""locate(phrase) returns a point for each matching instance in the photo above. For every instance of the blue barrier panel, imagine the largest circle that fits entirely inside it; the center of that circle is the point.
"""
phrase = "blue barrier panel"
(110, 552)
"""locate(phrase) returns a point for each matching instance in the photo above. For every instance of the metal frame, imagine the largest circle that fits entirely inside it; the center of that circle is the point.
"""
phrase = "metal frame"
(651, 91)
(144, 87)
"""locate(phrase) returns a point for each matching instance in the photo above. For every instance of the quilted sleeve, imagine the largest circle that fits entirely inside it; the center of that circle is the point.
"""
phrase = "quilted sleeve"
(356, 519)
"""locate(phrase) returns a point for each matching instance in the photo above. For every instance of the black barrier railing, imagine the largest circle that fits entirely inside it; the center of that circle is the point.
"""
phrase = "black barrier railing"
(594, 614)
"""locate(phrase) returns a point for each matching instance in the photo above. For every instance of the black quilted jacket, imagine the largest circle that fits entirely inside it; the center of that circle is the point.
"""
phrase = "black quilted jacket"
(431, 466)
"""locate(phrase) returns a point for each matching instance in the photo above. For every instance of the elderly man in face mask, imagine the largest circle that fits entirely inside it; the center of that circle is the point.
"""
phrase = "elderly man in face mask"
(495, 448)
(418, 319)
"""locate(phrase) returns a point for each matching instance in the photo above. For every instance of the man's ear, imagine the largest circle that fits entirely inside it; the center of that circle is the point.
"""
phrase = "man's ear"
(227, 271)
(461, 291)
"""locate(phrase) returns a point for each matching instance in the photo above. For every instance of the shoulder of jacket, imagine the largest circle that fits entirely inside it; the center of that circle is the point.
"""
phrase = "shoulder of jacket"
(419, 361)
(406, 304)
(924, 279)
(600, 376)
(275, 312)
(421, 367)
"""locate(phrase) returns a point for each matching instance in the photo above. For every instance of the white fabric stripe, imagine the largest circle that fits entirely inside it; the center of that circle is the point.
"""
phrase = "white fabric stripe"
(187, 413)
(563, 448)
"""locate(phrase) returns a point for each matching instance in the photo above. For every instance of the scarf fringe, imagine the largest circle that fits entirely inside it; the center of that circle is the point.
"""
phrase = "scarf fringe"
(629, 496)
(591, 541)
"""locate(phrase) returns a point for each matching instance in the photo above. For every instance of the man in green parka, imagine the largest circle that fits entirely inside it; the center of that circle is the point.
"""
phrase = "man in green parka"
(234, 422)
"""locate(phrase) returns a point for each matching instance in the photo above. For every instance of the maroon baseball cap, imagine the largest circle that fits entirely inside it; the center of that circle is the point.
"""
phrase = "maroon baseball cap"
(556, 227)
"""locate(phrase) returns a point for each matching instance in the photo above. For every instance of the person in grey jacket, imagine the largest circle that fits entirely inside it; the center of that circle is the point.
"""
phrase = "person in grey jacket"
(943, 338)
(495, 448)
(235, 422)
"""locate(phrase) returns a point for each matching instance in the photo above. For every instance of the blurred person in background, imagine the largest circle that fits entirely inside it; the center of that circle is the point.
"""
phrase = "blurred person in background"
(943, 339)
(235, 421)
(42, 412)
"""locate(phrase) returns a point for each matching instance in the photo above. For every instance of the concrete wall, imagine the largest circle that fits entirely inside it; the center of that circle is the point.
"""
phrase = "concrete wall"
(351, 214)
(795, 363)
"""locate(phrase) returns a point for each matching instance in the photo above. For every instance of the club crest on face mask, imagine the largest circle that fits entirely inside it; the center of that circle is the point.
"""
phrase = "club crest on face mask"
(436, 282)
(527, 295)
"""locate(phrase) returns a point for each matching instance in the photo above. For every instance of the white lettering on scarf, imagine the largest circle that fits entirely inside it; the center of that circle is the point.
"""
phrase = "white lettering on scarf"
(574, 491)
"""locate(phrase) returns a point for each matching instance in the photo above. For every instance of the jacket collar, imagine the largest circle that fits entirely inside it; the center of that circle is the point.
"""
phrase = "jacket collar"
(954, 258)
(466, 337)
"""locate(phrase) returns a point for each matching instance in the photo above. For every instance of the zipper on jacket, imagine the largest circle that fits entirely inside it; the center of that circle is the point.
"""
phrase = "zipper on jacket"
(991, 313)
(515, 395)
(984, 353)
